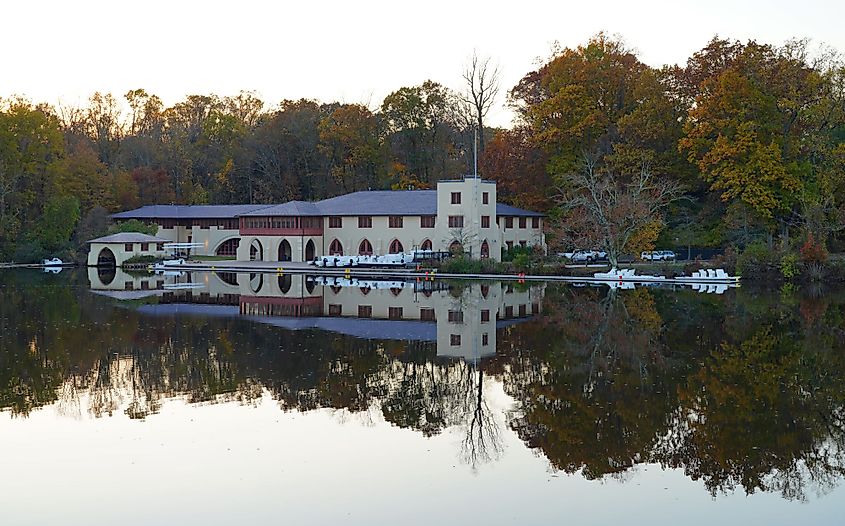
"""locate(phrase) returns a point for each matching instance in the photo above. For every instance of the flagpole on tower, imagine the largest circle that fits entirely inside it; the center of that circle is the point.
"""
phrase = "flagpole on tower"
(475, 152)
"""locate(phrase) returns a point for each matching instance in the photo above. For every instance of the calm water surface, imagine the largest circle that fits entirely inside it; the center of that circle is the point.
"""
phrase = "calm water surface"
(232, 399)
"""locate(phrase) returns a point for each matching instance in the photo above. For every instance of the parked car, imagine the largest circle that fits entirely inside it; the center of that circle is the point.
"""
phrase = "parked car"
(658, 255)
(584, 256)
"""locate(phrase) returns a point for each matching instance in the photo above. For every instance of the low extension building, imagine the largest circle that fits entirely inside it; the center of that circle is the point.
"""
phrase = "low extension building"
(461, 215)
(116, 249)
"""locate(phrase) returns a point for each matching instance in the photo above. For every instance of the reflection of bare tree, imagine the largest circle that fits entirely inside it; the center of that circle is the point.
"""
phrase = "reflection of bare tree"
(482, 441)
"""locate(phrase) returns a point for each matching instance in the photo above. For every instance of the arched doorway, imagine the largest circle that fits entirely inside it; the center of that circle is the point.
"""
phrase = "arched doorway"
(335, 248)
(309, 250)
(456, 247)
(285, 251)
(256, 251)
(106, 258)
(426, 245)
(228, 247)
(396, 247)
(485, 250)
(365, 248)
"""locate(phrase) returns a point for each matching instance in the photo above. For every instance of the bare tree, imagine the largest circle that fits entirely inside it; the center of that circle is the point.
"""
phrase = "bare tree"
(482, 86)
(605, 210)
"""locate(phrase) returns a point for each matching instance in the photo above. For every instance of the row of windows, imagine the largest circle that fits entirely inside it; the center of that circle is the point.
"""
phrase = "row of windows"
(204, 224)
(456, 198)
(429, 222)
(427, 313)
(523, 222)
(145, 247)
(283, 222)
(392, 221)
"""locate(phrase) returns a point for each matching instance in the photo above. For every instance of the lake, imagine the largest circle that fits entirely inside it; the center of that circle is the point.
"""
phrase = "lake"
(214, 398)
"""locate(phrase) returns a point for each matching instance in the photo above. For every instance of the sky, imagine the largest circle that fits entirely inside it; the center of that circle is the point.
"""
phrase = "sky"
(352, 51)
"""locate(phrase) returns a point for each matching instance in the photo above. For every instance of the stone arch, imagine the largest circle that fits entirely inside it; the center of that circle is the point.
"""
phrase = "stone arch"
(365, 248)
(335, 248)
(285, 251)
(426, 244)
(396, 247)
(310, 250)
(228, 247)
(256, 251)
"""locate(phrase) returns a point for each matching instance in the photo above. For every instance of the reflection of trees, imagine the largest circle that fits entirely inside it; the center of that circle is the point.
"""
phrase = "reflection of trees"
(741, 390)
(586, 380)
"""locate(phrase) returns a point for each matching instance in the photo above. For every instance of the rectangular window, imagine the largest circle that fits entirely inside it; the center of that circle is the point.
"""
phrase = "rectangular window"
(427, 221)
(508, 222)
(508, 312)
(335, 222)
(394, 313)
(145, 285)
(159, 246)
(394, 222)
(522, 243)
(485, 316)
(365, 311)
(523, 310)
(521, 222)
(509, 244)
(456, 316)
(145, 247)
(335, 309)
(365, 221)
(484, 339)
(427, 314)
(535, 223)
(456, 198)
(535, 308)
(128, 247)
(485, 221)
(454, 340)
(485, 198)
(456, 221)
(128, 285)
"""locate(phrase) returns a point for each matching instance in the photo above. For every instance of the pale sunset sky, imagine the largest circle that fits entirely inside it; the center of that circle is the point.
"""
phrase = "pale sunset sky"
(62, 51)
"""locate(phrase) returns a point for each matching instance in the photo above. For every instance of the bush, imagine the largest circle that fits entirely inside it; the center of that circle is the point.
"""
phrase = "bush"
(813, 251)
(465, 265)
(789, 266)
(138, 260)
(758, 259)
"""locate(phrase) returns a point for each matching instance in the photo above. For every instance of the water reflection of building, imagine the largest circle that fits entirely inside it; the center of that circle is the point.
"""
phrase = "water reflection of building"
(461, 319)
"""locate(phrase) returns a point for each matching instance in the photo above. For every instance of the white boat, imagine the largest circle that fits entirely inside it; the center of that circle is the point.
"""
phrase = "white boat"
(626, 274)
(54, 262)
(168, 264)
(708, 275)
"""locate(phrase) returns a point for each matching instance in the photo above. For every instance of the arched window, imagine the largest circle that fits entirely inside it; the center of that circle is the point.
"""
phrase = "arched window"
(426, 245)
(309, 250)
(396, 247)
(485, 250)
(285, 282)
(456, 247)
(285, 251)
(365, 248)
(395, 291)
(335, 249)
(229, 247)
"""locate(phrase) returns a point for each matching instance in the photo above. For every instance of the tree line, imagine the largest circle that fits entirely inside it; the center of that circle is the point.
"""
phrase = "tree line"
(743, 144)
